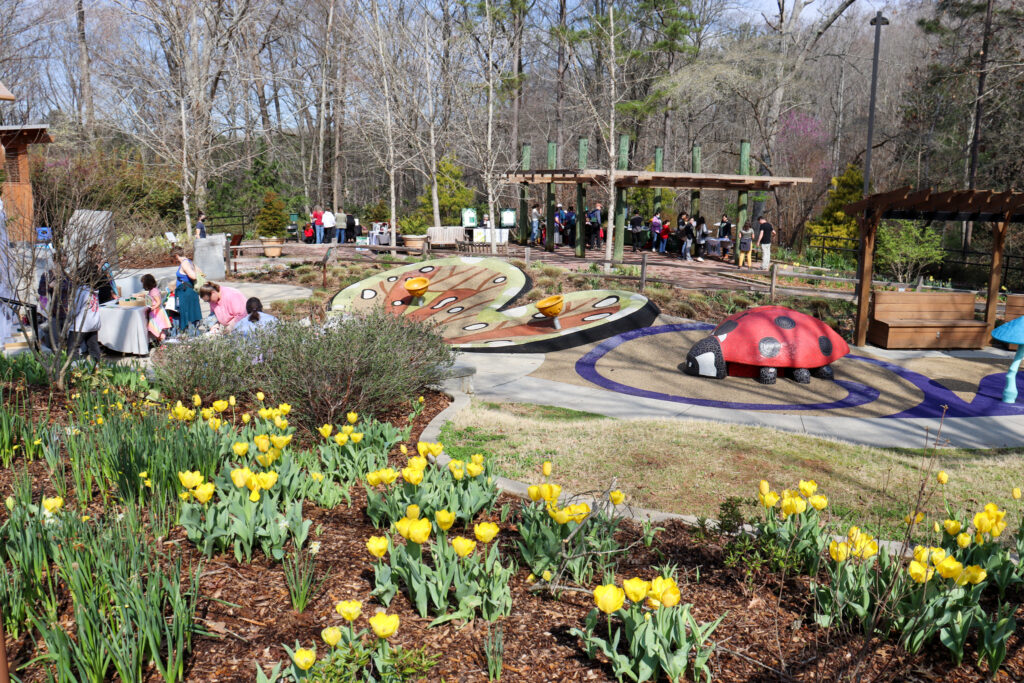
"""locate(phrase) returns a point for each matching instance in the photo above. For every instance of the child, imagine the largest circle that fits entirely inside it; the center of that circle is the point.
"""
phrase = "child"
(746, 245)
(158, 320)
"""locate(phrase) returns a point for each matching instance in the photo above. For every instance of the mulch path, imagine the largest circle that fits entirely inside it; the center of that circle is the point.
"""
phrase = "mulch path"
(767, 633)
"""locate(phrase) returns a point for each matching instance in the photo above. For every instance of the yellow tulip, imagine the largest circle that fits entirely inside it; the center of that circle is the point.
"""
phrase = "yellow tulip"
(975, 574)
(963, 539)
(419, 531)
(267, 459)
(942, 477)
(818, 501)
(254, 496)
(560, 515)
(377, 545)
(463, 546)
(231, 401)
(53, 504)
(403, 450)
(609, 598)
(304, 658)
(204, 492)
(770, 499)
(550, 492)
(436, 449)
(763, 488)
(265, 413)
(412, 475)
(458, 473)
(444, 519)
(952, 527)
(267, 480)
(284, 408)
(423, 448)
(454, 464)
(262, 442)
(325, 431)
(477, 458)
(402, 526)
(196, 401)
(373, 478)
(534, 493)
(144, 475)
(531, 578)
(260, 396)
(349, 609)
(937, 555)
(388, 475)
(546, 468)
(949, 568)
(412, 511)
(384, 625)
(220, 406)
(793, 505)
(474, 470)
(356, 437)
(341, 439)
(206, 413)
(636, 589)
(281, 441)
(316, 476)
(99, 421)
(485, 532)
(919, 572)
(215, 423)
(190, 480)
(241, 448)
(1016, 493)
(808, 488)
(870, 549)
(546, 575)
(839, 551)
(616, 497)
(936, 527)
(331, 635)
(240, 476)
(418, 462)
(280, 423)
(352, 418)
(347, 429)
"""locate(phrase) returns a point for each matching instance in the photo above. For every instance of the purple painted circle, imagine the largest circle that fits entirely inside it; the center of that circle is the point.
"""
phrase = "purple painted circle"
(586, 367)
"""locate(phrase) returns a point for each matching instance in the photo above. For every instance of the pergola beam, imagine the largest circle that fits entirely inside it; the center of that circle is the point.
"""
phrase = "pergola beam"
(696, 181)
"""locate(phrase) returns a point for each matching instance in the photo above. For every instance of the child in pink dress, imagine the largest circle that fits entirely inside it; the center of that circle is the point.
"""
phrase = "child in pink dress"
(158, 320)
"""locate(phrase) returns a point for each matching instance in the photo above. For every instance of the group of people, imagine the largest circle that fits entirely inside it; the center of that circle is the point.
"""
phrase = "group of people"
(565, 226)
(693, 233)
(323, 227)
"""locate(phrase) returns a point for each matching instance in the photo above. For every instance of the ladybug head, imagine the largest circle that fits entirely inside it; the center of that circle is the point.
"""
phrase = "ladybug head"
(705, 359)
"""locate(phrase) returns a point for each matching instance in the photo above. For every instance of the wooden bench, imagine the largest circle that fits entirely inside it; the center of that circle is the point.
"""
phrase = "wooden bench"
(1014, 307)
(925, 320)
(481, 248)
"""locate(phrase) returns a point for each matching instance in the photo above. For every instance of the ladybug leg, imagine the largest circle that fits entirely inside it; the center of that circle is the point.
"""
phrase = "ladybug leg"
(801, 375)
(824, 372)
(767, 375)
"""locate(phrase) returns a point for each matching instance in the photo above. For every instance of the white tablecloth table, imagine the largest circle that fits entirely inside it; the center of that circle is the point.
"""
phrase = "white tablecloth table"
(124, 328)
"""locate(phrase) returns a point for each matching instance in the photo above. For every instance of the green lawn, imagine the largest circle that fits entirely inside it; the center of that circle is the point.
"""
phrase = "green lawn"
(692, 466)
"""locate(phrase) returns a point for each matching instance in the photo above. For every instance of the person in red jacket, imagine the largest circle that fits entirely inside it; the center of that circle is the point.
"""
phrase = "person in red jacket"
(318, 224)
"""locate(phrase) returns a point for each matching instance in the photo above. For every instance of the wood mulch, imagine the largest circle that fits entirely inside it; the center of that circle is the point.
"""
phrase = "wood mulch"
(767, 633)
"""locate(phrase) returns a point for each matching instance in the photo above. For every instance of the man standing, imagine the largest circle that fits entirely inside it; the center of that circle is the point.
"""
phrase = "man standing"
(636, 225)
(534, 224)
(765, 241)
(330, 223)
(559, 225)
(594, 234)
(570, 226)
(725, 234)
(201, 226)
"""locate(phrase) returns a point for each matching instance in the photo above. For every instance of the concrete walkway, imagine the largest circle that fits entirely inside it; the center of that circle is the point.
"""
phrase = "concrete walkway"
(505, 377)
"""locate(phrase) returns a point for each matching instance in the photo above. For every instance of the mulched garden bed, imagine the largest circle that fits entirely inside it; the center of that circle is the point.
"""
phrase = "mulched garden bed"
(767, 633)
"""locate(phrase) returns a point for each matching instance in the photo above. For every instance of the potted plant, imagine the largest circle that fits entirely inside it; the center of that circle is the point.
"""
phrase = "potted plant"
(414, 231)
(271, 222)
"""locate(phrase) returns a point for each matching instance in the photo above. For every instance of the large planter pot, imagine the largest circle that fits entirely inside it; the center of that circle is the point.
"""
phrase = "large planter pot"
(272, 246)
(414, 241)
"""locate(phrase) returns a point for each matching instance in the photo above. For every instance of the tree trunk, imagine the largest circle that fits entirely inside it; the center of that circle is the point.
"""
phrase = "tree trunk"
(85, 79)
(560, 87)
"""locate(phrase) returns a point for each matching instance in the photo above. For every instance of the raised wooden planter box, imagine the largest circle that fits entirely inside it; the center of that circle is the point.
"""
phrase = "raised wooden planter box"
(925, 320)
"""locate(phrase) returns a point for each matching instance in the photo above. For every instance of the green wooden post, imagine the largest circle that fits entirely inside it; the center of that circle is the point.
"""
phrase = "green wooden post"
(620, 200)
(524, 209)
(659, 160)
(549, 241)
(581, 202)
(741, 198)
(695, 168)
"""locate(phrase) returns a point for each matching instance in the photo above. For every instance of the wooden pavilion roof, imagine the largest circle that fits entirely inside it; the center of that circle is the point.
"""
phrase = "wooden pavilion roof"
(5, 94)
(31, 134)
(952, 205)
(693, 181)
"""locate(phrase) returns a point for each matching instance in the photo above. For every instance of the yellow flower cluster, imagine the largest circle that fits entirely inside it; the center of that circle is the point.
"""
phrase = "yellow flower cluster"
(181, 413)
(857, 544)
(414, 529)
(383, 625)
(146, 481)
(947, 566)
(277, 415)
(385, 476)
(51, 505)
(193, 483)
(793, 502)
(243, 477)
(424, 448)
(460, 468)
(575, 513)
(989, 521)
(660, 592)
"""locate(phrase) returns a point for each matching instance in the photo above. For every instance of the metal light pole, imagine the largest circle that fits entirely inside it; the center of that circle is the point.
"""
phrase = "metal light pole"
(878, 21)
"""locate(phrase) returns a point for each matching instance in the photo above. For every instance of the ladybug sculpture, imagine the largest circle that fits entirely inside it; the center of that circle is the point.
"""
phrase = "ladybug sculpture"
(759, 341)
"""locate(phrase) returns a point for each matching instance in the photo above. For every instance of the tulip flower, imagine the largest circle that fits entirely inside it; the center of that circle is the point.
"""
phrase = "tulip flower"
(763, 488)
(254, 495)
(316, 476)
(1016, 493)
(245, 418)
(204, 492)
(534, 493)
(463, 546)
(265, 413)
(144, 475)
(377, 545)
(808, 488)
(663, 593)
(267, 480)
(546, 575)
(418, 462)
(331, 635)
(436, 449)
(942, 477)
(402, 526)
(220, 406)
(560, 515)
(616, 497)
(975, 574)
(419, 531)
(241, 448)
(550, 492)
(284, 408)
(281, 441)
(485, 532)
(474, 470)
(196, 401)
(458, 473)
(952, 527)
(423, 448)
(260, 396)
(412, 475)
(636, 589)
(412, 511)
(478, 458)
(231, 401)
(267, 459)
(304, 658)
(403, 450)
(384, 625)
(341, 439)
(347, 429)
(444, 519)
(373, 478)
(919, 572)
(546, 468)
(839, 551)
(190, 480)
(770, 499)
(280, 423)
(356, 437)
(262, 442)
(349, 609)
(184, 495)
(239, 476)
(53, 504)
(352, 418)
(388, 475)
(818, 501)
(949, 568)
(325, 431)
(609, 598)
(963, 539)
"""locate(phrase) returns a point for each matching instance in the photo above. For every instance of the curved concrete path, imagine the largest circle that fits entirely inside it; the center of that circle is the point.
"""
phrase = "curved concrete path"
(505, 377)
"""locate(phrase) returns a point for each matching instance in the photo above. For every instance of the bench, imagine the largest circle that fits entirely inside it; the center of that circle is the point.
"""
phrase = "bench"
(446, 235)
(481, 248)
(925, 320)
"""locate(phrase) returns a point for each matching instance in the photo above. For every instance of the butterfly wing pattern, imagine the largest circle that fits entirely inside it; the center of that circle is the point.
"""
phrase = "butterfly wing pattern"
(472, 301)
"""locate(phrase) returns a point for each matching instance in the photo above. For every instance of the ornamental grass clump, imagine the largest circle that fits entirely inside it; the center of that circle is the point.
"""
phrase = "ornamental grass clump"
(647, 632)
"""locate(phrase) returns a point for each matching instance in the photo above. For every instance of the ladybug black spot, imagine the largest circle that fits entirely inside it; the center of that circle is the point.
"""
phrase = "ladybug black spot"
(825, 344)
(769, 347)
(725, 328)
(785, 322)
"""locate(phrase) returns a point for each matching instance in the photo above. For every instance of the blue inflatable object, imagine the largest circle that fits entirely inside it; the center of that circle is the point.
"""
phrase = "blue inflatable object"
(1011, 333)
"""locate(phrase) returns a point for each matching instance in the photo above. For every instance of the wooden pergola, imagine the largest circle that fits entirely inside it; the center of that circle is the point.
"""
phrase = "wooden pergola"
(998, 208)
(627, 179)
